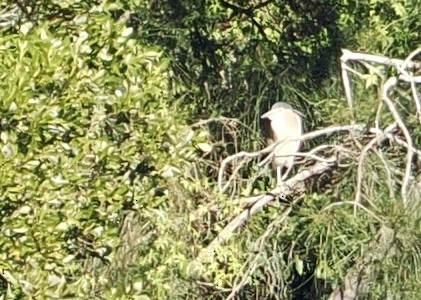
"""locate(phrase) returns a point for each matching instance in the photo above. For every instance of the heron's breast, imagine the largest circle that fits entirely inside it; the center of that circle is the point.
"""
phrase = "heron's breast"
(285, 128)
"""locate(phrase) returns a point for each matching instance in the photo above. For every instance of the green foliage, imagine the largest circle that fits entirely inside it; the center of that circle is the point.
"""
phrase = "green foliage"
(108, 190)
(387, 27)
(89, 130)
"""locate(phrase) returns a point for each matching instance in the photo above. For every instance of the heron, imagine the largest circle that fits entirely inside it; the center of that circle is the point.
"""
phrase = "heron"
(282, 123)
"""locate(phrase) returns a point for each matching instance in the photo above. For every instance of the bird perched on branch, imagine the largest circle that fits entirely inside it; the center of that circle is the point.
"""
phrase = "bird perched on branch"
(282, 123)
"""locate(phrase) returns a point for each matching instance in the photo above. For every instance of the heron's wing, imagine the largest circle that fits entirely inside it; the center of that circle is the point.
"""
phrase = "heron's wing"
(286, 125)
(299, 122)
(267, 130)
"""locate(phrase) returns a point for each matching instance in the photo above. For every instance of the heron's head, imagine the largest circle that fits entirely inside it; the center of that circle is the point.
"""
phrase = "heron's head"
(277, 108)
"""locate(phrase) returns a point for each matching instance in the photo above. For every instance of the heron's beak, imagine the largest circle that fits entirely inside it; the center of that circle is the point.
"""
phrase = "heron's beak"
(269, 114)
(265, 115)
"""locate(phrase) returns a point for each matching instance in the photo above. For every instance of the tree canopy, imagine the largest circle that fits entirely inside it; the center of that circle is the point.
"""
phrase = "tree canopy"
(132, 159)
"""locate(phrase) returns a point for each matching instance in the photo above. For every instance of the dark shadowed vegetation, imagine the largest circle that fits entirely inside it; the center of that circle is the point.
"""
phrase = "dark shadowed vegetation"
(116, 117)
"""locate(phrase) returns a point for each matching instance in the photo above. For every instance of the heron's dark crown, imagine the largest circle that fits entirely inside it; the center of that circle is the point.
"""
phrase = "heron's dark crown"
(281, 105)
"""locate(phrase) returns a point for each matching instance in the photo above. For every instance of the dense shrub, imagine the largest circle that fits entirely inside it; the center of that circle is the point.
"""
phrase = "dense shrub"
(115, 116)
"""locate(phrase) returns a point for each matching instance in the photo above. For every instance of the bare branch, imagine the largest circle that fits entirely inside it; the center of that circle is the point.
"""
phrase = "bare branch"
(347, 83)
(377, 140)
(410, 153)
(396, 139)
(261, 241)
(223, 120)
(258, 202)
(269, 149)
(399, 64)
(384, 60)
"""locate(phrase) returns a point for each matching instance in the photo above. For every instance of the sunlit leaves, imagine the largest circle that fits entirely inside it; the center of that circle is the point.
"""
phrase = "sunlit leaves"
(104, 188)
(85, 126)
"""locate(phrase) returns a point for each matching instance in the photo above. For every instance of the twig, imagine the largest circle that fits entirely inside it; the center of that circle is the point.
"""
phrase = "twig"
(388, 172)
(379, 152)
(360, 173)
(234, 172)
(221, 119)
(377, 140)
(396, 139)
(307, 155)
(261, 241)
(412, 80)
(410, 153)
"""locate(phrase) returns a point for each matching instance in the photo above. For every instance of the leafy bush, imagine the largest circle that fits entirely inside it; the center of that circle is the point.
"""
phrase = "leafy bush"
(108, 183)
(90, 130)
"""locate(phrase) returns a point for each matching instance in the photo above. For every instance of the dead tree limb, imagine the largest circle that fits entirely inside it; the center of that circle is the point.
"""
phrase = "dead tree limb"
(400, 65)
(257, 203)
(244, 155)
